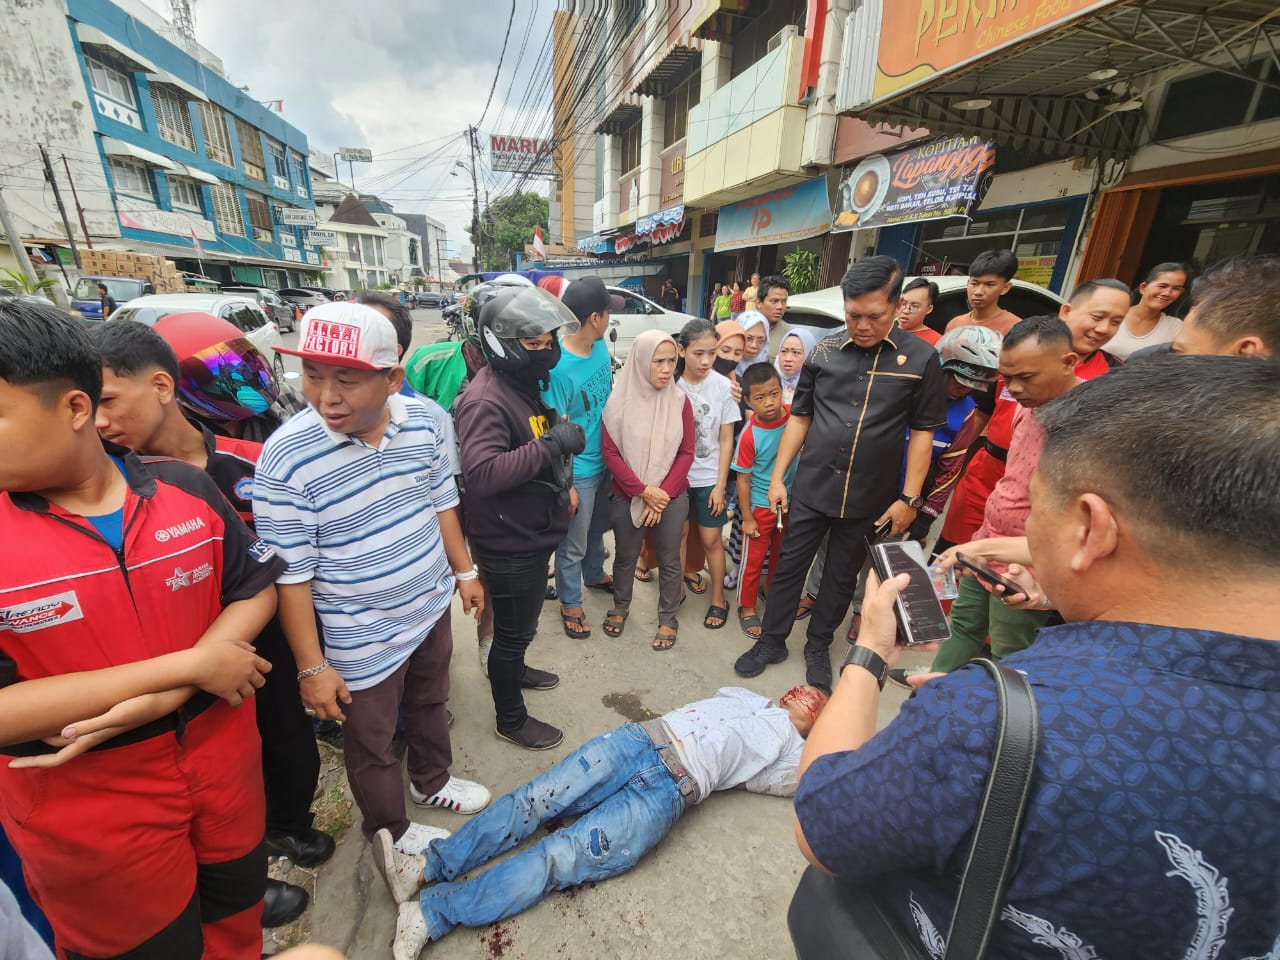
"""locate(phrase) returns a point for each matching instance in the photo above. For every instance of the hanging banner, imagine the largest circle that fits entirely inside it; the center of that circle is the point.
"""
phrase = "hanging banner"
(938, 179)
(661, 227)
(780, 216)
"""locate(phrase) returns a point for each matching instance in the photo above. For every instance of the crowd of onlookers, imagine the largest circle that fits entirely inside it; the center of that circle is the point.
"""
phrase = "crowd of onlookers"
(174, 566)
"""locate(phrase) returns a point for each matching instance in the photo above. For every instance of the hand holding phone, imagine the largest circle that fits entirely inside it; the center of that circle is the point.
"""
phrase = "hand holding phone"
(919, 614)
(983, 571)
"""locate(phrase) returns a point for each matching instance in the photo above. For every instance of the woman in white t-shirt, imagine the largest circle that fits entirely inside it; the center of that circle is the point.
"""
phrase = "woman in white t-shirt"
(1146, 324)
(714, 414)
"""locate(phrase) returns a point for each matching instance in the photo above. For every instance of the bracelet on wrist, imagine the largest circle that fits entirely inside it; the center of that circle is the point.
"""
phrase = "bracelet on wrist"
(321, 667)
(466, 575)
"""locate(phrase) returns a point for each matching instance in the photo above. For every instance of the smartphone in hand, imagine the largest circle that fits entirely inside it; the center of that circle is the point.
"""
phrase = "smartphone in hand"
(983, 571)
(918, 612)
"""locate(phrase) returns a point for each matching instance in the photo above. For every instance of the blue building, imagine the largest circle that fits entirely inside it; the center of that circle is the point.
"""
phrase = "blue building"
(198, 171)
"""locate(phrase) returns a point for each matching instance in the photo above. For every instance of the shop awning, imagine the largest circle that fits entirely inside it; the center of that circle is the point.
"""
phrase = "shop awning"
(1074, 86)
(119, 148)
(672, 69)
(163, 76)
(622, 116)
(95, 37)
(182, 170)
(721, 19)
(784, 215)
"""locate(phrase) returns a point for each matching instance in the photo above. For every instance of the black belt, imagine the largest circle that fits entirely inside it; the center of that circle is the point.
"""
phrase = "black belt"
(661, 736)
(1000, 453)
(175, 722)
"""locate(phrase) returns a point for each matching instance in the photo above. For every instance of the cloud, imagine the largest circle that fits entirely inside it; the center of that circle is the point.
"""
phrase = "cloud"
(386, 75)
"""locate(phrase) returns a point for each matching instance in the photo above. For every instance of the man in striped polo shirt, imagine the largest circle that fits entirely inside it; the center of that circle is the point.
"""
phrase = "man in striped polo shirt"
(356, 494)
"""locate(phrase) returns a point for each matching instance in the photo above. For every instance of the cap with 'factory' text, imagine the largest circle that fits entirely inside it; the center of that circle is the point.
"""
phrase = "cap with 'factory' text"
(346, 334)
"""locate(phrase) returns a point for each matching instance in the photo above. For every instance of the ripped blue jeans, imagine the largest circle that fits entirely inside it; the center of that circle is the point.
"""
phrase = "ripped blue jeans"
(625, 801)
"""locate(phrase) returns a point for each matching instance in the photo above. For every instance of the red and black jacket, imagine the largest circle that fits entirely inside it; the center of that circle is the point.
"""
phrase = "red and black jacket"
(232, 464)
(69, 601)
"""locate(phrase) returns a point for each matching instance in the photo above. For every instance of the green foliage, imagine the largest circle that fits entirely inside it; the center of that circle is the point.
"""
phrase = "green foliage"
(17, 280)
(800, 267)
(506, 226)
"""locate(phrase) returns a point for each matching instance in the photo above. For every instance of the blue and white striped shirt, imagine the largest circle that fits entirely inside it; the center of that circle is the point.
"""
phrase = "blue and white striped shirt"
(359, 522)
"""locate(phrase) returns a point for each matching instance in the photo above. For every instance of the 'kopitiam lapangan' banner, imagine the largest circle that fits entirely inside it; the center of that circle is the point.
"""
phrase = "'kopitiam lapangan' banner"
(930, 181)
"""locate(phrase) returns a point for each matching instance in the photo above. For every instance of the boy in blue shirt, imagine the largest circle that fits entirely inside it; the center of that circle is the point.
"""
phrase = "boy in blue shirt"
(580, 385)
(753, 463)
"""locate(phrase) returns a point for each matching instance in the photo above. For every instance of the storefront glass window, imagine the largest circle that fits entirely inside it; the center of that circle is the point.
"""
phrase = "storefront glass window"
(1034, 234)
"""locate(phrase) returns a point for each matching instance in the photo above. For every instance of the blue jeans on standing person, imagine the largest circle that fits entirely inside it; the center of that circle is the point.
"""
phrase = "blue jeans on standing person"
(580, 556)
(625, 801)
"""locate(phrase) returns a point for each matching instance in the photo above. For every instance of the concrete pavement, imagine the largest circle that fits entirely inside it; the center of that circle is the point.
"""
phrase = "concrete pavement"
(717, 886)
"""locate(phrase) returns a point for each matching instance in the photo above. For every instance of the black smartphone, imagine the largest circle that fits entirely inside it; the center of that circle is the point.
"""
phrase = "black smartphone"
(884, 530)
(982, 570)
(919, 614)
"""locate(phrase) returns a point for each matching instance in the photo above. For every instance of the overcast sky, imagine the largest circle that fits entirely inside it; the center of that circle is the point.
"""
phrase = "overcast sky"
(403, 78)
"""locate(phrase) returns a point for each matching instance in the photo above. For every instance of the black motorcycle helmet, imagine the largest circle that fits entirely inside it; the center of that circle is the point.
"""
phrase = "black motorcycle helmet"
(482, 293)
(511, 313)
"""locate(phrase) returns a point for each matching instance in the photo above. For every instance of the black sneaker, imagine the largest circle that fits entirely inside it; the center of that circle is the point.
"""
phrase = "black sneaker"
(535, 679)
(761, 654)
(534, 735)
(309, 848)
(283, 903)
(817, 668)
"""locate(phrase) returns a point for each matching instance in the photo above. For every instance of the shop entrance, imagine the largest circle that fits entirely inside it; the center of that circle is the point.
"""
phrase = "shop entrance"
(1203, 224)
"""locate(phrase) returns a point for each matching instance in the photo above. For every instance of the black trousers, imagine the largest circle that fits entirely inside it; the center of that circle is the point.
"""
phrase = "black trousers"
(517, 589)
(846, 550)
(290, 759)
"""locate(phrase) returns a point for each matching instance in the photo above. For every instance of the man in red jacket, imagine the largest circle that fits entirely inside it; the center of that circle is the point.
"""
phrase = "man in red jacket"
(140, 409)
(145, 838)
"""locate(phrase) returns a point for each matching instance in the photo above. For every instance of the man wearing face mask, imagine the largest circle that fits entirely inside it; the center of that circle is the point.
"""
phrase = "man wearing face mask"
(517, 468)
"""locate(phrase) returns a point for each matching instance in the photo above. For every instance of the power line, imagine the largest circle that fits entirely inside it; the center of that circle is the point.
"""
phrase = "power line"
(494, 86)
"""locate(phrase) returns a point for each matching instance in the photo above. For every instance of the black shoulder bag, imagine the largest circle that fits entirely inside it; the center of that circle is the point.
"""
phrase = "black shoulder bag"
(830, 918)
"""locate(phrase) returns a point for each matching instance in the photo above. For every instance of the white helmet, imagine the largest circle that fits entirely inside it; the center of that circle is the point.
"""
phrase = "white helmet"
(972, 355)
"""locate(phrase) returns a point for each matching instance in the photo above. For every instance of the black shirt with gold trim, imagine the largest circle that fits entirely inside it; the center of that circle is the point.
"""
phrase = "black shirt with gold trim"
(862, 402)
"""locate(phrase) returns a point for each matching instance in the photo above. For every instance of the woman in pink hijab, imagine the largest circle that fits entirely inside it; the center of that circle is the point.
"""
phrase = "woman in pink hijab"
(648, 439)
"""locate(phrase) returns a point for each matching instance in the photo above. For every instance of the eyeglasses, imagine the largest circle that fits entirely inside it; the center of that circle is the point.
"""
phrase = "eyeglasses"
(911, 307)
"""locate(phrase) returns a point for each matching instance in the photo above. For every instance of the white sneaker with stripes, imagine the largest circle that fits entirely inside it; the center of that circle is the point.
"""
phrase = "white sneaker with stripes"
(458, 795)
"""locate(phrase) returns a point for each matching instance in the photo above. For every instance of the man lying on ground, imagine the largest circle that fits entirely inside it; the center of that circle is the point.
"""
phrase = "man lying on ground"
(627, 787)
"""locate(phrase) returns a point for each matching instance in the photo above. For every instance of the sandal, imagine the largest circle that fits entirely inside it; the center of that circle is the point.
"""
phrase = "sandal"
(807, 603)
(580, 621)
(716, 613)
(614, 622)
(662, 642)
(644, 574)
(696, 583)
(604, 586)
(749, 622)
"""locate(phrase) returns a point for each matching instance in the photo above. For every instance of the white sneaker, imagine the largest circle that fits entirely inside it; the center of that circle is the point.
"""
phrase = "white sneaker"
(411, 932)
(486, 644)
(418, 837)
(458, 795)
(400, 870)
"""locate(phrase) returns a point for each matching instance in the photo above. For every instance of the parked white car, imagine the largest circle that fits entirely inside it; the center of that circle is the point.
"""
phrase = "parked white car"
(240, 311)
(639, 314)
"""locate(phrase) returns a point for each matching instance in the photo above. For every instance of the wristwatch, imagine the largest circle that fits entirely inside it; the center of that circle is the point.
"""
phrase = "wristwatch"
(868, 659)
(915, 503)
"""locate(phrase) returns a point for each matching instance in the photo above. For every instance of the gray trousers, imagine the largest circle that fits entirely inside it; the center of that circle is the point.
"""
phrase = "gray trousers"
(627, 541)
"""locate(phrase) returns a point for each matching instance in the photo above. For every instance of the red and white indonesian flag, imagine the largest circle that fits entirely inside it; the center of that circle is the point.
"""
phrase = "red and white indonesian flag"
(538, 247)
(196, 241)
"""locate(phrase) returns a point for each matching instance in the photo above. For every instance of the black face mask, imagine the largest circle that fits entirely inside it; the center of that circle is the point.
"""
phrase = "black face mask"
(538, 369)
(724, 365)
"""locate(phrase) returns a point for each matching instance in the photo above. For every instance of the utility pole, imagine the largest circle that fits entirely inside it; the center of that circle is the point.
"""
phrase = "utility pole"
(439, 265)
(88, 240)
(488, 227)
(15, 243)
(476, 236)
(62, 210)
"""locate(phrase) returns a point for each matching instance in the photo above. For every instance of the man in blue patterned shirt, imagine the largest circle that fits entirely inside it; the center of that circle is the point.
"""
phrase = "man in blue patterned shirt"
(1154, 817)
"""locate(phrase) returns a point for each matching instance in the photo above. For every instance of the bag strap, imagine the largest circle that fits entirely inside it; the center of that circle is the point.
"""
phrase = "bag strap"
(986, 870)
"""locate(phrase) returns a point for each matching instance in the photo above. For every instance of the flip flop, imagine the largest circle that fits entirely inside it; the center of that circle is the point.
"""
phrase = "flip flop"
(644, 574)
(696, 583)
(604, 586)
(580, 621)
(614, 629)
(746, 623)
(662, 642)
(807, 603)
(720, 613)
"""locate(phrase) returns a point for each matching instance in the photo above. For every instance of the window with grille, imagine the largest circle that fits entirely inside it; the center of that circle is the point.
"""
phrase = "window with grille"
(226, 209)
(131, 178)
(299, 171)
(277, 165)
(251, 151)
(678, 104)
(173, 120)
(631, 147)
(217, 139)
(109, 80)
(366, 249)
(260, 217)
(184, 193)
